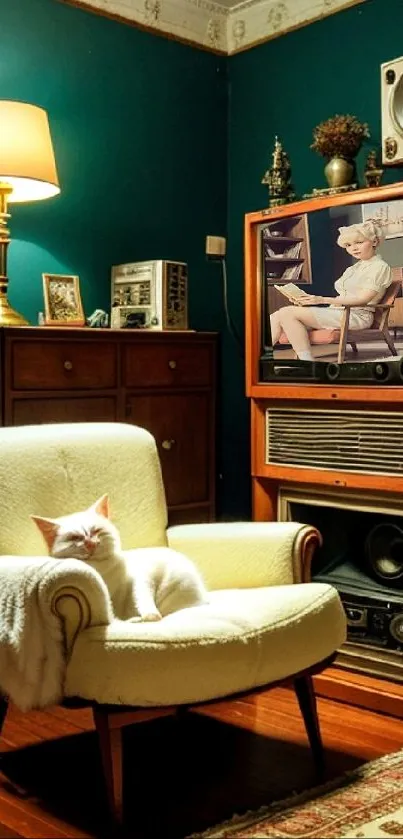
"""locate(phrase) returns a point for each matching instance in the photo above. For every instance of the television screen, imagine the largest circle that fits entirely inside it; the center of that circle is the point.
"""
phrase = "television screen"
(331, 282)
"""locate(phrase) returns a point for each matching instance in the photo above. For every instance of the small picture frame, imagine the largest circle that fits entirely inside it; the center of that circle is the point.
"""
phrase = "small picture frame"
(63, 306)
(389, 213)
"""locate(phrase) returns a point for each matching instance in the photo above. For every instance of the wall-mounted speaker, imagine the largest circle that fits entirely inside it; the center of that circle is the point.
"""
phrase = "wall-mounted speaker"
(392, 111)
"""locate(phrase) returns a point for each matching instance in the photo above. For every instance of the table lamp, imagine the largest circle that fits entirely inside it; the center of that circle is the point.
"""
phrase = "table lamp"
(27, 173)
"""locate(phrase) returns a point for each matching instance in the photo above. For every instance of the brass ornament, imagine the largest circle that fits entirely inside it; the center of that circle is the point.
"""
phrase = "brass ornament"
(372, 172)
(278, 177)
(339, 172)
(390, 148)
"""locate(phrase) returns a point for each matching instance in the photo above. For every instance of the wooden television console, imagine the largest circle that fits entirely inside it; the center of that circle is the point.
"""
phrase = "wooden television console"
(371, 487)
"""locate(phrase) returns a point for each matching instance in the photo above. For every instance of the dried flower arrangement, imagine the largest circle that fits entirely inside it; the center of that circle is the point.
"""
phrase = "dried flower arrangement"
(339, 136)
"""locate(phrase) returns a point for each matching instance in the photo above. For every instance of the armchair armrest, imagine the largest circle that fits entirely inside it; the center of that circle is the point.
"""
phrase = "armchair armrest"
(78, 595)
(67, 588)
(247, 554)
(44, 604)
(367, 306)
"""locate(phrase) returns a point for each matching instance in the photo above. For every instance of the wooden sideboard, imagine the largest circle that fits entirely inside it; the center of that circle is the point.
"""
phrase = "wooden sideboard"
(163, 381)
(295, 410)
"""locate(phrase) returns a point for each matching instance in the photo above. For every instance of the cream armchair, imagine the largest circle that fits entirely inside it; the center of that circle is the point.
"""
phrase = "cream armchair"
(59, 639)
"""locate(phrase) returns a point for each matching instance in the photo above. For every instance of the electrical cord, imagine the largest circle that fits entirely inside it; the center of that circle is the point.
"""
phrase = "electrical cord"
(230, 323)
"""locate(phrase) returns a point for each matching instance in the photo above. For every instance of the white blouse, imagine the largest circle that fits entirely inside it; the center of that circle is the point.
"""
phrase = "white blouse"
(365, 274)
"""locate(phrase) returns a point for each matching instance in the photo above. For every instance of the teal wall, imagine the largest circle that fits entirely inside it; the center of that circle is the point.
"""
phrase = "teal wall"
(139, 126)
(139, 131)
(287, 86)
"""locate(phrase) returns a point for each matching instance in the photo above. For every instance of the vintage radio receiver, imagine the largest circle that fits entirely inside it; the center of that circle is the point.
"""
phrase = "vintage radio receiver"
(377, 621)
(392, 111)
(150, 295)
(374, 612)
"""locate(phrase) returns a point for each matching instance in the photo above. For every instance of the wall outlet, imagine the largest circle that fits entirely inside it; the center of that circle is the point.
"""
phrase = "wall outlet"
(215, 247)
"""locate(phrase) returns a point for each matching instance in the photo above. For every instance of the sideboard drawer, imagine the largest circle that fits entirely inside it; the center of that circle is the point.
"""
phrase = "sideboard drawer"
(37, 365)
(36, 410)
(167, 365)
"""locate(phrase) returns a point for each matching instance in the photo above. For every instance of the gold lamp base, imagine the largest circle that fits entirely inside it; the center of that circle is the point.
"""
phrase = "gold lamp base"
(8, 315)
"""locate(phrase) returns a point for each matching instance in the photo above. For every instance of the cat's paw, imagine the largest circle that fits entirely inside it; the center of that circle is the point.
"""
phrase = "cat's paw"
(151, 616)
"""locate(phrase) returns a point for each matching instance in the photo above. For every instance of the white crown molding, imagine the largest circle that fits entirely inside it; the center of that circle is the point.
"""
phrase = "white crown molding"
(253, 21)
(225, 27)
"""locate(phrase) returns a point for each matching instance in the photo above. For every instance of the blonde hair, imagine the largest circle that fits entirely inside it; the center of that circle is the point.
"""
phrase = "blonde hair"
(372, 231)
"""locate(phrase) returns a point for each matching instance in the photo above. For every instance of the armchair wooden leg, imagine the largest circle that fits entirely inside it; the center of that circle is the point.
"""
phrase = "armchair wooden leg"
(307, 702)
(110, 742)
(343, 335)
(389, 341)
(353, 346)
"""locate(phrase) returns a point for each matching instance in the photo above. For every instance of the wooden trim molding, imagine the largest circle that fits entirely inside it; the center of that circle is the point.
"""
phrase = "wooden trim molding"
(381, 695)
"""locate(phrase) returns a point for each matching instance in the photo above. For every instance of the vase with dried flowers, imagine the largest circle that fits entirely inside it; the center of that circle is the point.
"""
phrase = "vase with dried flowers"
(339, 139)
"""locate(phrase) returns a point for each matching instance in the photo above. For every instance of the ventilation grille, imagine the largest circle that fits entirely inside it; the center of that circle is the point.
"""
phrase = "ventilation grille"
(350, 441)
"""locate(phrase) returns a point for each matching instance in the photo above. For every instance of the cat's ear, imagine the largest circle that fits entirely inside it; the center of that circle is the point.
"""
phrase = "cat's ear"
(48, 528)
(101, 506)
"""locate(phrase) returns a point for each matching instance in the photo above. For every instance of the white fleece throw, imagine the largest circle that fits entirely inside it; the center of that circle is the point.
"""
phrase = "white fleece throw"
(32, 650)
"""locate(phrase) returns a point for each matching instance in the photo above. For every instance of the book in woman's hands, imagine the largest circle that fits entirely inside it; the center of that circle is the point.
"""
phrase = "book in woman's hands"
(291, 291)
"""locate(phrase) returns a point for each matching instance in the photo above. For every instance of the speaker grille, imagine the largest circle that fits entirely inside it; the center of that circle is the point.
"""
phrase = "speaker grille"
(340, 440)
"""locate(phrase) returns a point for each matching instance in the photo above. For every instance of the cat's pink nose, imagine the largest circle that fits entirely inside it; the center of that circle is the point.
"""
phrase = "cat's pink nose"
(90, 543)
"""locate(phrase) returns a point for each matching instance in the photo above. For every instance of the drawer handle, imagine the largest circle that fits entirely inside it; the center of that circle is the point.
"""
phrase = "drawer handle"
(172, 364)
(168, 444)
(68, 365)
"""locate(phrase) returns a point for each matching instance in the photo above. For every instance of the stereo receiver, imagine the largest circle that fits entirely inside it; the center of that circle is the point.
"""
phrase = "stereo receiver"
(374, 618)
(381, 371)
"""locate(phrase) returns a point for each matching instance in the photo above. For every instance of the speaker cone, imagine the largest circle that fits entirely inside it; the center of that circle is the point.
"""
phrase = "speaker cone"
(384, 553)
(332, 371)
(381, 371)
(396, 627)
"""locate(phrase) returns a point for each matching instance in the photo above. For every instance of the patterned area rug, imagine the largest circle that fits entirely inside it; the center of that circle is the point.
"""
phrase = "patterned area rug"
(367, 802)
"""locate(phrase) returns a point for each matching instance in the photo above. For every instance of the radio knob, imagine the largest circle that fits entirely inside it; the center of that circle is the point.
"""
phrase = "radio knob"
(353, 615)
(379, 620)
(396, 628)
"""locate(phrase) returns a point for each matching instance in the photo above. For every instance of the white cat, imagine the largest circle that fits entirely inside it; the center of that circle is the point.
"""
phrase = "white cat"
(156, 581)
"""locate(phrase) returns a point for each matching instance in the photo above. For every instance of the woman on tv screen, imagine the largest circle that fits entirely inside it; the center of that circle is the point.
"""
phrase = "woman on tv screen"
(361, 284)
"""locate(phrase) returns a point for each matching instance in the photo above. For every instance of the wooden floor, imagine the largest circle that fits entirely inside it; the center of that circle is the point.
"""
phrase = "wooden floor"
(181, 776)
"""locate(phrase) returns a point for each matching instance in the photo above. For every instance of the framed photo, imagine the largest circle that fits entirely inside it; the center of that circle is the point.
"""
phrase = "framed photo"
(387, 212)
(63, 306)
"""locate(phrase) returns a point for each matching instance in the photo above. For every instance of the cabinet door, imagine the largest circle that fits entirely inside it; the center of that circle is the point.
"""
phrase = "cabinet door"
(181, 425)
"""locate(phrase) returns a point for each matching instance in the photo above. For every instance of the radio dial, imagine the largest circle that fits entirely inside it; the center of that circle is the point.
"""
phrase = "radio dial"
(396, 627)
(354, 615)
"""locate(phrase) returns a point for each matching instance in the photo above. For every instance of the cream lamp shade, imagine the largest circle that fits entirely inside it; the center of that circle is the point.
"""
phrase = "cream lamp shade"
(27, 162)
(27, 173)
